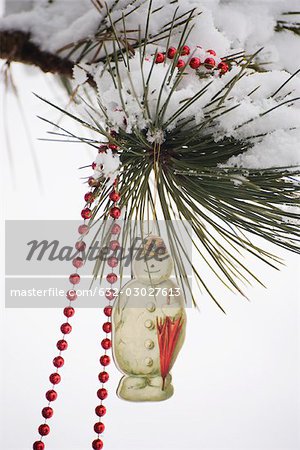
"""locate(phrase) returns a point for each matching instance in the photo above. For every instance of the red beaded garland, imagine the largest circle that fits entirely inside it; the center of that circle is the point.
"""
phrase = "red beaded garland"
(102, 393)
(115, 229)
(58, 361)
(107, 327)
(180, 64)
(47, 412)
(114, 196)
(80, 246)
(38, 445)
(185, 50)
(112, 278)
(209, 63)
(112, 261)
(115, 212)
(97, 444)
(89, 198)
(100, 410)
(99, 427)
(62, 345)
(114, 245)
(51, 395)
(86, 213)
(55, 378)
(78, 262)
(74, 278)
(195, 63)
(71, 295)
(103, 377)
(105, 360)
(44, 429)
(66, 328)
(160, 57)
(69, 311)
(83, 229)
(110, 294)
(106, 343)
(107, 311)
(171, 52)
(223, 67)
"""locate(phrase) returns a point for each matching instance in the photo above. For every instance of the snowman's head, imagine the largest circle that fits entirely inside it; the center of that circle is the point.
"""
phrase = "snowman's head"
(152, 263)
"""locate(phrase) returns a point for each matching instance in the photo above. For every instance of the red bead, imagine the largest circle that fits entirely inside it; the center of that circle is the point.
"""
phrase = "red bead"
(106, 327)
(71, 295)
(114, 245)
(62, 345)
(92, 182)
(106, 343)
(105, 360)
(209, 63)
(77, 262)
(94, 165)
(58, 361)
(74, 278)
(185, 50)
(38, 445)
(89, 198)
(195, 63)
(115, 229)
(44, 429)
(212, 52)
(99, 427)
(103, 377)
(51, 395)
(83, 229)
(112, 261)
(171, 52)
(102, 393)
(80, 246)
(160, 57)
(97, 444)
(110, 294)
(113, 147)
(115, 212)
(180, 64)
(55, 378)
(100, 410)
(69, 311)
(66, 328)
(47, 412)
(114, 196)
(86, 213)
(107, 311)
(223, 67)
(111, 278)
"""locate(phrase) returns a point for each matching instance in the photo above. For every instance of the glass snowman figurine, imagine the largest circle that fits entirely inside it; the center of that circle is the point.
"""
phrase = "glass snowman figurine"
(149, 324)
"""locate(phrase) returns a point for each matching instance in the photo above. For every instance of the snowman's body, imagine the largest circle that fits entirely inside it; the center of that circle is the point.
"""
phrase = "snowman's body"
(141, 303)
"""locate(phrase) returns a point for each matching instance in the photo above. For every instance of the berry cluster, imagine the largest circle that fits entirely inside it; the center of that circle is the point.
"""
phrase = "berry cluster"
(196, 59)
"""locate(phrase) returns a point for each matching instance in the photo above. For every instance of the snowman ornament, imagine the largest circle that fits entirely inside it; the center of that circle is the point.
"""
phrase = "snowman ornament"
(149, 322)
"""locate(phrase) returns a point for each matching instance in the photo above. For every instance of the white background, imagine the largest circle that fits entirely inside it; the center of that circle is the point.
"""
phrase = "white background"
(236, 380)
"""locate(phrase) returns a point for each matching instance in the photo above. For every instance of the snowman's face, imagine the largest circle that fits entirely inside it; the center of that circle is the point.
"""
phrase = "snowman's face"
(153, 268)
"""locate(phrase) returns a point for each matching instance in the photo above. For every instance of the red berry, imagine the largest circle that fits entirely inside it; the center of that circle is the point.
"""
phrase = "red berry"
(77, 262)
(99, 427)
(47, 412)
(103, 377)
(86, 213)
(180, 64)
(185, 50)
(58, 361)
(102, 393)
(83, 229)
(69, 311)
(105, 360)
(100, 410)
(89, 198)
(113, 147)
(171, 52)
(209, 63)
(66, 328)
(112, 261)
(114, 245)
(115, 229)
(106, 343)
(112, 278)
(97, 444)
(51, 395)
(115, 212)
(107, 311)
(106, 327)
(114, 196)
(62, 345)
(38, 445)
(223, 67)
(74, 278)
(55, 378)
(160, 57)
(195, 63)
(212, 52)
(44, 429)
(80, 246)
(71, 295)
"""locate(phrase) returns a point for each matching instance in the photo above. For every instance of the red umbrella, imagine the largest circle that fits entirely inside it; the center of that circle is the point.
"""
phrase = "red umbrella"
(168, 331)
